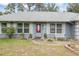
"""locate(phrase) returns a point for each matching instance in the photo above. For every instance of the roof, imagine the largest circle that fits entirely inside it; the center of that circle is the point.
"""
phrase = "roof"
(40, 16)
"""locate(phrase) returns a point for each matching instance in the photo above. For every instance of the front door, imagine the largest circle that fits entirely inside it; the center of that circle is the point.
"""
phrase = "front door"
(38, 30)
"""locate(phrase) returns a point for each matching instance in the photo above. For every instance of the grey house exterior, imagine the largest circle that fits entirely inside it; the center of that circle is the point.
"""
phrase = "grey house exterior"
(53, 24)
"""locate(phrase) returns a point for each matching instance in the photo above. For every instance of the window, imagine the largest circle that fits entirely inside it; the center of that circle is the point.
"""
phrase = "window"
(26, 28)
(3, 29)
(20, 24)
(52, 28)
(59, 28)
(23, 28)
(19, 27)
(19, 30)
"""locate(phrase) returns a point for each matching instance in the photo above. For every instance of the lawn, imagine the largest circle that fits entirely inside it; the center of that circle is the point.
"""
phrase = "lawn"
(15, 42)
(29, 48)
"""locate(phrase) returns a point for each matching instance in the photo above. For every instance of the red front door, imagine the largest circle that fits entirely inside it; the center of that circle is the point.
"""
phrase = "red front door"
(38, 28)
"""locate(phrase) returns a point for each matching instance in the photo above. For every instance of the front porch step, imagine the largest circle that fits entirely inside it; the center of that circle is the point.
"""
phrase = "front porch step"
(38, 39)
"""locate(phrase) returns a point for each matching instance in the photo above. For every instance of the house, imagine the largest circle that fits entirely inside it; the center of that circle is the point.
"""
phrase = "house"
(53, 24)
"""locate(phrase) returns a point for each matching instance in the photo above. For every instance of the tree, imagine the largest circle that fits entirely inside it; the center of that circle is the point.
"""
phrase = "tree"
(13, 7)
(29, 5)
(10, 31)
(20, 7)
(7, 12)
(52, 7)
(1, 13)
(73, 7)
(39, 7)
(45, 7)
(10, 7)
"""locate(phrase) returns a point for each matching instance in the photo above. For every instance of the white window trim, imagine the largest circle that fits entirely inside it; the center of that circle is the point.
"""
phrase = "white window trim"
(26, 28)
(3, 27)
(18, 28)
(22, 29)
(60, 28)
(56, 28)
(53, 28)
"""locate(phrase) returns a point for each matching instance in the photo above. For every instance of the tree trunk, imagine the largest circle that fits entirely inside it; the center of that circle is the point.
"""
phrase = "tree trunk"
(29, 8)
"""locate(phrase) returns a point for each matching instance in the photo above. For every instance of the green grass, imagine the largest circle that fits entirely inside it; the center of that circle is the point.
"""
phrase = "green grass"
(15, 42)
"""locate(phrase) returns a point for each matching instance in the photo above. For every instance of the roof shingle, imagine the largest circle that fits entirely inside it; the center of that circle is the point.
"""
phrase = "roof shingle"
(40, 16)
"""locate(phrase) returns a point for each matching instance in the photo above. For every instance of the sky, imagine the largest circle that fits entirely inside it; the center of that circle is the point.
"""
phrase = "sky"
(61, 5)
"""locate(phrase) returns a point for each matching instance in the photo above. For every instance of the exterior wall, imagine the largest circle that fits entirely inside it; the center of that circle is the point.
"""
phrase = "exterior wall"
(69, 30)
(2, 35)
(63, 31)
(76, 34)
(16, 35)
(56, 35)
(49, 35)
(73, 30)
(31, 28)
(45, 28)
(48, 28)
(0, 28)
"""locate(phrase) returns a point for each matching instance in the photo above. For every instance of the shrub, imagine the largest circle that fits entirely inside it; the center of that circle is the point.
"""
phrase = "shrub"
(9, 31)
(30, 35)
(45, 35)
(22, 35)
(50, 40)
(61, 39)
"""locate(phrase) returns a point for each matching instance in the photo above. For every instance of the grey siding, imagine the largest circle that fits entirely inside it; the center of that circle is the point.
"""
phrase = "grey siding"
(18, 35)
(45, 28)
(57, 35)
(68, 31)
(73, 30)
(14, 36)
(3, 36)
(76, 34)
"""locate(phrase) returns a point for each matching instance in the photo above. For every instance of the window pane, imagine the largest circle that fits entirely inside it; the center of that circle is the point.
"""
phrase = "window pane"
(26, 25)
(26, 30)
(4, 24)
(52, 25)
(59, 28)
(3, 30)
(19, 30)
(52, 28)
(19, 25)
